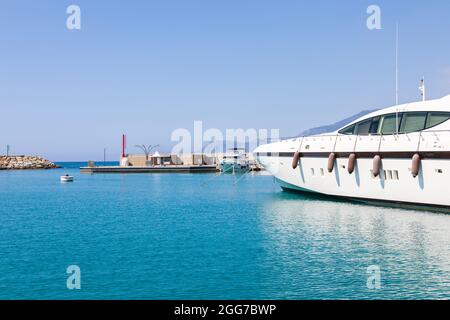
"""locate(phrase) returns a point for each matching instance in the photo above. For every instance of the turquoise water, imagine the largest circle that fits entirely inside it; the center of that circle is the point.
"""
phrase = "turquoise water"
(187, 236)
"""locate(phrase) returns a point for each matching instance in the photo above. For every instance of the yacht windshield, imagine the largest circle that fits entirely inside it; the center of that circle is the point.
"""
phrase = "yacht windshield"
(436, 118)
(402, 122)
(389, 124)
(413, 121)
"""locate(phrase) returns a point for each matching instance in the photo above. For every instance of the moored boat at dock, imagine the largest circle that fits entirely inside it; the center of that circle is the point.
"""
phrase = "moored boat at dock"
(235, 161)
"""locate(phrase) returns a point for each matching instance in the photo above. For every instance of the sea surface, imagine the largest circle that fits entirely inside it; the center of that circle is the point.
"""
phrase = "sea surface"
(208, 236)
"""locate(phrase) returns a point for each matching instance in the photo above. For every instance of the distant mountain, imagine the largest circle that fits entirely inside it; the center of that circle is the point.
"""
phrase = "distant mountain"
(335, 126)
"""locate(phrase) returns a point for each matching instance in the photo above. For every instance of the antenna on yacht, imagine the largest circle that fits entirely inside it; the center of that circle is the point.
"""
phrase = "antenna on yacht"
(396, 65)
(396, 79)
(422, 89)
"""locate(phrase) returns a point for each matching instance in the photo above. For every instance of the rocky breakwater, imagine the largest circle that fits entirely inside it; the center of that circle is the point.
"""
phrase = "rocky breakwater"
(25, 163)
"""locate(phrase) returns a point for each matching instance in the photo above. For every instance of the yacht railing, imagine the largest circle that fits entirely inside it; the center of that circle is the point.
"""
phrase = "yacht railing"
(421, 141)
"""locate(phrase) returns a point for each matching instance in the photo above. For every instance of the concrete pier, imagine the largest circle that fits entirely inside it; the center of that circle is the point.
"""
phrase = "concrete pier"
(152, 169)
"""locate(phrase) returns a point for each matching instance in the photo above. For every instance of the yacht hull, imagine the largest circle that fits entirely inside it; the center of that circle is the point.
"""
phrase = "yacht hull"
(232, 167)
(394, 185)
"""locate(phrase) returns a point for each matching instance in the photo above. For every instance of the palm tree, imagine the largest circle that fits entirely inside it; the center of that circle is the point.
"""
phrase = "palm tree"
(146, 149)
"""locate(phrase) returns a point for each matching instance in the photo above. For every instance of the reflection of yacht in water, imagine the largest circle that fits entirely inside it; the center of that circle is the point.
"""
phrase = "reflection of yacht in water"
(235, 160)
(399, 154)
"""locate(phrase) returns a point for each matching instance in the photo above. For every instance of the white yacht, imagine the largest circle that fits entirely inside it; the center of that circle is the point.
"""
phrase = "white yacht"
(398, 155)
(235, 160)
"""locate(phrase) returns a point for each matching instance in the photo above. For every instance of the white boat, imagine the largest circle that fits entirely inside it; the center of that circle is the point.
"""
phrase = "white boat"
(234, 161)
(66, 178)
(398, 155)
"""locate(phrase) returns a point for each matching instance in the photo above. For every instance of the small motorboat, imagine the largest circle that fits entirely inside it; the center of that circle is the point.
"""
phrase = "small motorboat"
(66, 178)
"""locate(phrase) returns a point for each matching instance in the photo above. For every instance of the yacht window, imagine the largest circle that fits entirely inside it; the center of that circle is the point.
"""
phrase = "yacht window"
(413, 121)
(388, 124)
(407, 122)
(389, 176)
(348, 130)
(395, 174)
(435, 118)
(363, 127)
(374, 126)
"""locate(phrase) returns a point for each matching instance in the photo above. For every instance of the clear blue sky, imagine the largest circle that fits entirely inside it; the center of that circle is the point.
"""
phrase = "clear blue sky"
(149, 67)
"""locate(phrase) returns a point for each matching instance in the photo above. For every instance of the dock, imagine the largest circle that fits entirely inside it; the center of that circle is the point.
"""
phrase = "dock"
(151, 169)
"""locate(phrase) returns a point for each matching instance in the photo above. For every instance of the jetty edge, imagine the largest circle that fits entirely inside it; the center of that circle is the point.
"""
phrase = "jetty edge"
(155, 169)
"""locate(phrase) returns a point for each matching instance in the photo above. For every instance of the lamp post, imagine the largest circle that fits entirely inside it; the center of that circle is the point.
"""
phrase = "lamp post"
(146, 149)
